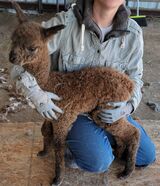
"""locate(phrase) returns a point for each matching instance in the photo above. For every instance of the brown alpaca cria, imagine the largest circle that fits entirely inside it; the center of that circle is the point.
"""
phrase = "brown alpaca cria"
(81, 91)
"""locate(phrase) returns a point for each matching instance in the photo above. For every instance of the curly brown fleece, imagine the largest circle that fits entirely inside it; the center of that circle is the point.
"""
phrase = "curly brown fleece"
(81, 91)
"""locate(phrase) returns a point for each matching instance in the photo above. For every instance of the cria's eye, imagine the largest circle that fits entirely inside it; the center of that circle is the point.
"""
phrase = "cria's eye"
(32, 49)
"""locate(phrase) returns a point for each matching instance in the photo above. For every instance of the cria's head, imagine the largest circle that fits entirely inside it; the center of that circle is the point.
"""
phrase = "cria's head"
(29, 39)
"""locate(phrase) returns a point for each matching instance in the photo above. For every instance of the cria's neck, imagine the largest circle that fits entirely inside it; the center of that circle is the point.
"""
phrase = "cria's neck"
(40, 70)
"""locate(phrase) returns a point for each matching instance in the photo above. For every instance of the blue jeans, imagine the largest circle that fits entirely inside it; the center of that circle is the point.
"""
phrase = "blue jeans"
(91, 146)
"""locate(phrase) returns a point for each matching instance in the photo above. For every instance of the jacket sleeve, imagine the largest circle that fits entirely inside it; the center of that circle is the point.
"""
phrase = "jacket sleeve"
(54, 44)
(135, 69)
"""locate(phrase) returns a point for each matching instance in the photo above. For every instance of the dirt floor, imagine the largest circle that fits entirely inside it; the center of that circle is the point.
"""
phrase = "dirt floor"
(21, 139)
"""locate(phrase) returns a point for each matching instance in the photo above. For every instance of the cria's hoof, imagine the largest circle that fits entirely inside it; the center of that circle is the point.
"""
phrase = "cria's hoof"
(123, 175)
(56, 182)
(42, 153)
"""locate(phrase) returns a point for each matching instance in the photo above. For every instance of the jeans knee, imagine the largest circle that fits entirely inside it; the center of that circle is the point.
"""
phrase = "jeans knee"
(148, 157)
(102, 165)
(146, 153)
(98, 165)
(151, 155)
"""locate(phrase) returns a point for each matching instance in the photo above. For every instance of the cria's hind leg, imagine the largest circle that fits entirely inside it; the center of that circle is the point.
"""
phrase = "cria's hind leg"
(47, 132)
(120, 148)
(132, 147)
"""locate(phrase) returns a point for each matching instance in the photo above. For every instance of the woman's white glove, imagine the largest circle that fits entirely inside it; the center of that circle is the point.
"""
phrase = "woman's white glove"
(42, 100)
(121, 109)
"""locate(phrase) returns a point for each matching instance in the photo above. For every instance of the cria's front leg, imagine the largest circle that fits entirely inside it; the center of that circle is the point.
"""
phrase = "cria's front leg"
(47, 132)
(59, 164)
(60, 134)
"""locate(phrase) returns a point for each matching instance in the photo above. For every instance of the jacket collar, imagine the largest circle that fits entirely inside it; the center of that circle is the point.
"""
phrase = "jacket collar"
(83, 12)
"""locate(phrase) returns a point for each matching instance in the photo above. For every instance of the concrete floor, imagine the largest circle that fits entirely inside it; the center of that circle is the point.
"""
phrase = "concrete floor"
(20, 166)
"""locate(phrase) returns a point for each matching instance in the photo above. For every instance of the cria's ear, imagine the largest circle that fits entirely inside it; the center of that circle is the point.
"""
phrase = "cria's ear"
(48, 32)
(21, 16)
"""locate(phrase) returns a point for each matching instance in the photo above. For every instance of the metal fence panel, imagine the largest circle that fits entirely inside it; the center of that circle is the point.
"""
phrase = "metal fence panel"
(40, 5)
(145, 4)
(57, 5)
(43, 1)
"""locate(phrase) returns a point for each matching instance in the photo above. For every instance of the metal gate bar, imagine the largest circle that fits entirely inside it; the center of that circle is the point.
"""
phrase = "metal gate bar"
(39, 6)
(44, 7)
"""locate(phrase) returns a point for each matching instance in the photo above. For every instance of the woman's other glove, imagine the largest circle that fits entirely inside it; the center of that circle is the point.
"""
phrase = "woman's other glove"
(121, 109)
(42, 100)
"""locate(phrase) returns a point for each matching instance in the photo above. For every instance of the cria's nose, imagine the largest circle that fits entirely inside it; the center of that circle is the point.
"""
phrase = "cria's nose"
(12, 56)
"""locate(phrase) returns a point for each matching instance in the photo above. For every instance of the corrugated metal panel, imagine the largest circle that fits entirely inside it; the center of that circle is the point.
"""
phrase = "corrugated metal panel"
(145, 4)
(43, 1)
(37, 5)
(152, 7)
